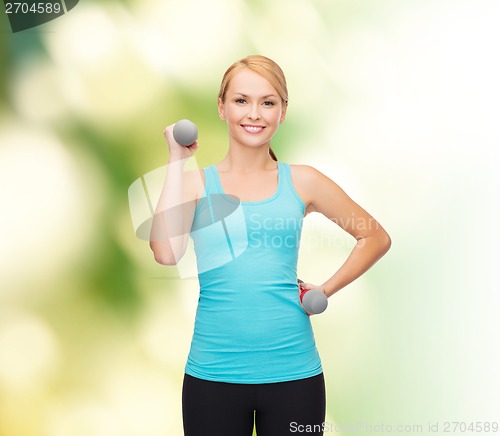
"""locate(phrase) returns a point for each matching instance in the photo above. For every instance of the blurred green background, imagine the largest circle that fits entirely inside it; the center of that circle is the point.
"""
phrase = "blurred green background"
(395, 100)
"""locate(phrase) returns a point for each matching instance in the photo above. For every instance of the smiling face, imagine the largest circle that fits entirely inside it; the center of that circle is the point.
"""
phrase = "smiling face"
(252, 109)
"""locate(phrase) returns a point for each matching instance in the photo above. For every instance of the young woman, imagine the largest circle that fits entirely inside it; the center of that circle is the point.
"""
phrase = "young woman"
(253, 358)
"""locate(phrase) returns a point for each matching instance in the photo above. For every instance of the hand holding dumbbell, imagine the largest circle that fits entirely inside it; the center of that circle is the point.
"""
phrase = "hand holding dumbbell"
(181, 139)
(314, 301)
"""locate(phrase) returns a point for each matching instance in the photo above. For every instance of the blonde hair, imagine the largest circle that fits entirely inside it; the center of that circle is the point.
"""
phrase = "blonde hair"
(268, 69)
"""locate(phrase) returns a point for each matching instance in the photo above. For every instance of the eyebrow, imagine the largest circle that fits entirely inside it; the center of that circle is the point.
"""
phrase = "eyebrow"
(265, 96)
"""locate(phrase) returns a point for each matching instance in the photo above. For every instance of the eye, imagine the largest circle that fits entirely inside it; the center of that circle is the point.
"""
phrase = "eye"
(269, 103)
(240, 100)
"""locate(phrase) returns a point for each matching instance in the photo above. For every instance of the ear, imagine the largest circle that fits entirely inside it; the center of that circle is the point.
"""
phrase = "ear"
(220, 107)
(283, 112)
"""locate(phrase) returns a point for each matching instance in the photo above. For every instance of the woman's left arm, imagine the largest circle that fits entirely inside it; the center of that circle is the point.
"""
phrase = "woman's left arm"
(323, 195)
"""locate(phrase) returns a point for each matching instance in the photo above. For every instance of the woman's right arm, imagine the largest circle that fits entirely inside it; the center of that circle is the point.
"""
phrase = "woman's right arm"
(174, 213)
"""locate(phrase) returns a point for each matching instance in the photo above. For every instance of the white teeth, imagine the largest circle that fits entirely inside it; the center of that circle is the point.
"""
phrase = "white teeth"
(253, 129)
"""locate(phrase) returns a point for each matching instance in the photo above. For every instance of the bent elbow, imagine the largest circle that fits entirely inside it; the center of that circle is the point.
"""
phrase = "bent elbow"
(162, 256)
(386, 242)
(163, 259)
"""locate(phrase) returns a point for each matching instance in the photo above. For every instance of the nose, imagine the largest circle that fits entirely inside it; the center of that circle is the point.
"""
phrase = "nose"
(254, 113)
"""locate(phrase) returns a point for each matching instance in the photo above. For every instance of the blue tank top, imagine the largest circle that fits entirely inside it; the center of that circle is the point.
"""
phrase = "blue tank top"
(249, 325)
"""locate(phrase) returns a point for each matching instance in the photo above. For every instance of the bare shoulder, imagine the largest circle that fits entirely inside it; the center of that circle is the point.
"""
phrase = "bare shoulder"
(315, 188)
(306, 180)
(305, 173)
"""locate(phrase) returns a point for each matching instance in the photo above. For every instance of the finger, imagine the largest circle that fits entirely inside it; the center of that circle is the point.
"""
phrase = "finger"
(194, 146)
(168, 131)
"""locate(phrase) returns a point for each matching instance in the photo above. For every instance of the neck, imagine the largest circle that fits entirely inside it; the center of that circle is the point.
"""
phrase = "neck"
(247, 159)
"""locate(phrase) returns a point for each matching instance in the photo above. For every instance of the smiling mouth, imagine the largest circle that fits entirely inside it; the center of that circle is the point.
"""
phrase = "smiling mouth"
(252, 129)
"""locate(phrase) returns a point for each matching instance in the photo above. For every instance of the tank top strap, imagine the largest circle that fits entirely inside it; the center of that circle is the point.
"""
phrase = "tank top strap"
(211, 185)
(204, 212)
(286, 179)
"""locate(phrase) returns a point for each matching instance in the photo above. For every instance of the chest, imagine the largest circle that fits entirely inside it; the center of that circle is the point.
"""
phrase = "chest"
(250, 188)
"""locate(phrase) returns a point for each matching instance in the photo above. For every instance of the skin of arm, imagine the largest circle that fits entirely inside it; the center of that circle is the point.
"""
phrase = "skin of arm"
(175, 210)
(321, 194)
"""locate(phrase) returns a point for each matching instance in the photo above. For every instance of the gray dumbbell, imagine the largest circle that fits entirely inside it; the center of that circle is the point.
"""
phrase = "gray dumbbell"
(314, 301)
(185, 132)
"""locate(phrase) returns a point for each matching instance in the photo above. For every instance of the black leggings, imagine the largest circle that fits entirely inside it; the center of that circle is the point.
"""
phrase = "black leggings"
(228, 409)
